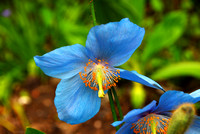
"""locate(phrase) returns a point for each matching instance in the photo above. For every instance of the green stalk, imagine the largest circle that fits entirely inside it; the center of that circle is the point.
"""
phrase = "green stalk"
(112, 106)
(93, 12)
(118, 103)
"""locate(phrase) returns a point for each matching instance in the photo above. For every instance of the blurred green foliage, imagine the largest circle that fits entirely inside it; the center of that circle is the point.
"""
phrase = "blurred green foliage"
(165, 34)
(170, 47)
(178, 69)
(34, 28)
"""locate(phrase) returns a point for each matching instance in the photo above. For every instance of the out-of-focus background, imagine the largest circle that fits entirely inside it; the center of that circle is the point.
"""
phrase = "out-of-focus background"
(169, 54)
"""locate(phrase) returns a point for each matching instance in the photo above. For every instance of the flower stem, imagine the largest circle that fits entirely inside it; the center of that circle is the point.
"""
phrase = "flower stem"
(112, 106)
(93, 12)
(118, 103)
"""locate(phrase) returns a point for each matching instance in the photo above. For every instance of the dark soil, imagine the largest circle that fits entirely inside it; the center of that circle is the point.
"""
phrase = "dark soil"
(41, 112)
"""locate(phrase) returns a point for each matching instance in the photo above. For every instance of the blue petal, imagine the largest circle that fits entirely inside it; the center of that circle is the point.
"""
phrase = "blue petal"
(170, 100)
(136, 114)
(134, 76)
(117, 123)
(194, 127)
(114, 42)
(63, 62)
(196, 95)
(125, 129)
(132, 117)
(74, 102)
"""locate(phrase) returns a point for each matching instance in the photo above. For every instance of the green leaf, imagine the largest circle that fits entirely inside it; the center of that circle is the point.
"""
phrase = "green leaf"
(5, 89)
(113, 10)
(178, 69)
(33, 131)
(157, 5)
(47, 16)
(165, 34)
(138, 7)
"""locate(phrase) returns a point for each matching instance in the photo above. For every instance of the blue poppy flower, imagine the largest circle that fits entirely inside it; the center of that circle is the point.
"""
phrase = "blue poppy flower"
(86, 73)
(139, 120)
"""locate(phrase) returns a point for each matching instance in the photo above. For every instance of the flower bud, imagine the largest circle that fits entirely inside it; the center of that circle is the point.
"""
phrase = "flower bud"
(181, 119)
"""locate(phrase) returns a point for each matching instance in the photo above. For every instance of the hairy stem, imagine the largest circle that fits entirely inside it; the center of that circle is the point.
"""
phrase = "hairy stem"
(118, 103)
(112, 106)
(93, 12)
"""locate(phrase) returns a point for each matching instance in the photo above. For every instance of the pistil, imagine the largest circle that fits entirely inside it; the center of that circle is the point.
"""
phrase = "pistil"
(100, 80)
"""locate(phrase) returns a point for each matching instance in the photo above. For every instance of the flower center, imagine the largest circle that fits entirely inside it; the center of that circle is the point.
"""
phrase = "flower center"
(98, 75)
(152, 123)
